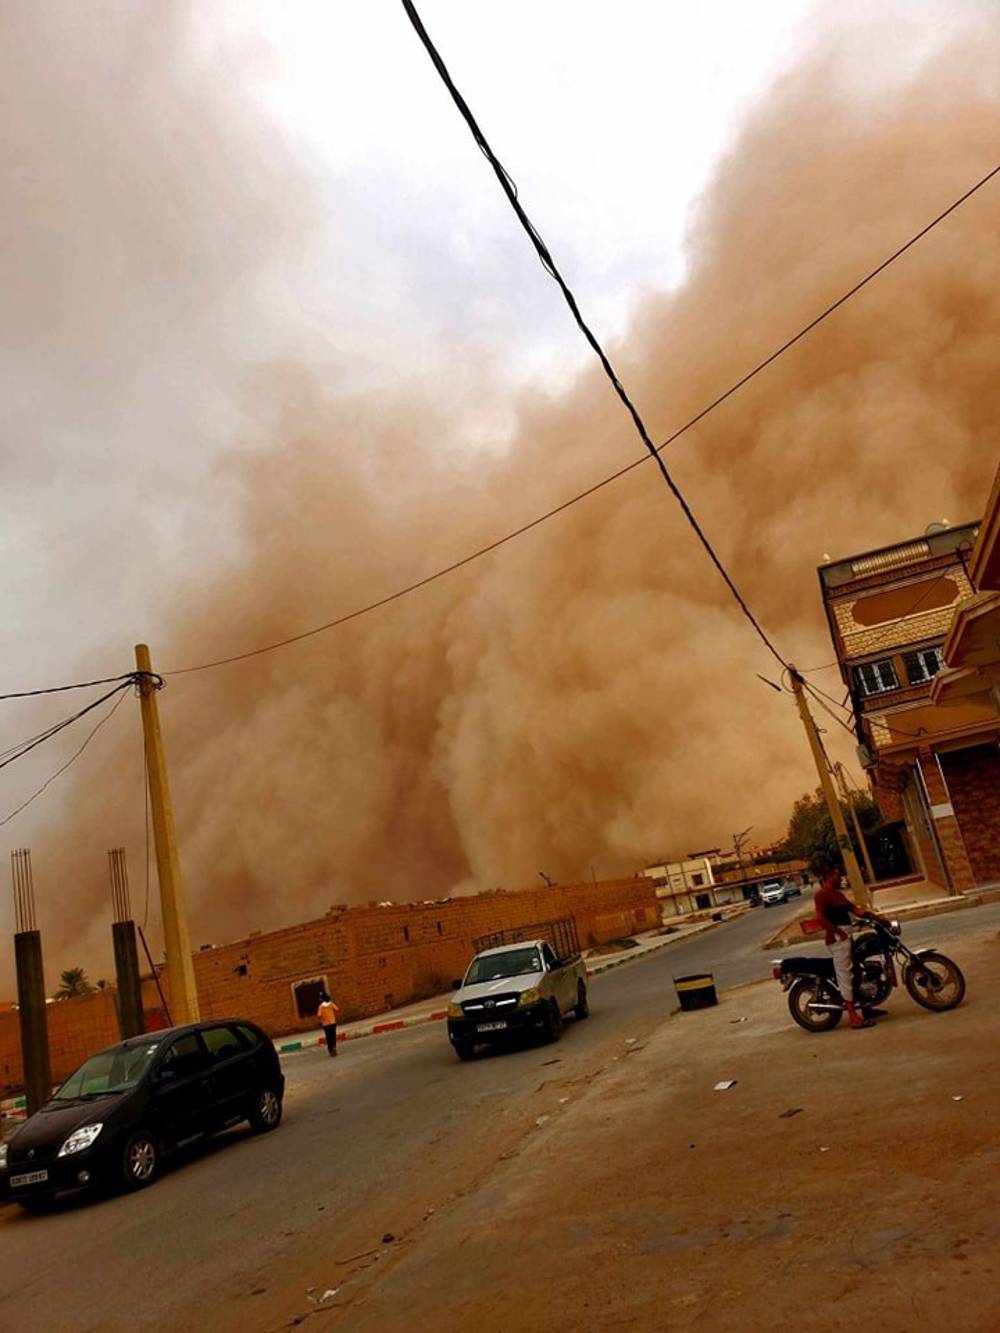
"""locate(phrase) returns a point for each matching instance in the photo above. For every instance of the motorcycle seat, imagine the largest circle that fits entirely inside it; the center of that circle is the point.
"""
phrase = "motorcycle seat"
(818, 966)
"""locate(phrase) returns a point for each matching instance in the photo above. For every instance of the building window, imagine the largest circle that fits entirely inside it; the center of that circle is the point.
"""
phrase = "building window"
(876, 677)
(406, 934)
(697, 880)
(923, 665)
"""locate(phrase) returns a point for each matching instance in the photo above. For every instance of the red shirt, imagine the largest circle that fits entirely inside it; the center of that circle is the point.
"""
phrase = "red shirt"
(832, 905)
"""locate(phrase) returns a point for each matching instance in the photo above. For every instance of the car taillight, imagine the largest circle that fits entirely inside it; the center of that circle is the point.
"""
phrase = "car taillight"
(776, 971)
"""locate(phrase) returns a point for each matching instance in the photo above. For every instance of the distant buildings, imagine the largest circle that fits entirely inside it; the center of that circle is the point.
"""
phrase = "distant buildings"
(707, 880)
(912, 624)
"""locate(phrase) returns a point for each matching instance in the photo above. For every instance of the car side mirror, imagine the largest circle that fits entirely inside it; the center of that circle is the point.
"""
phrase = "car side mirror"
(456, 984)
(165, 1076)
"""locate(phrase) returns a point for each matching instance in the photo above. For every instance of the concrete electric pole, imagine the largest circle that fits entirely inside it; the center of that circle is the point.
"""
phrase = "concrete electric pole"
(854, 876)
(177, 941)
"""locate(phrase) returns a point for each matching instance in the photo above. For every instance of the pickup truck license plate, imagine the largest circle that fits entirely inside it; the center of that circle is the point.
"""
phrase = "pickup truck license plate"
(29, 1178)
(490, 1027)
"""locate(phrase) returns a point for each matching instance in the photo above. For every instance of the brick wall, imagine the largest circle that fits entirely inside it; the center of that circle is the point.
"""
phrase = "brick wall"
(948, 831)
(373, 958)
(379, 958)
(973, 778)
(77, 1028)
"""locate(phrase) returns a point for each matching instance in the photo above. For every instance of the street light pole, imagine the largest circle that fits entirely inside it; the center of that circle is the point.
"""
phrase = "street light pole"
(177, 941)
(854, 876)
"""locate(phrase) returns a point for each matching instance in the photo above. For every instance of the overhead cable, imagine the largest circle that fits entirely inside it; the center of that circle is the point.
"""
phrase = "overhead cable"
(17, 752)
(550, 266)
(524, 528)
(121, 692)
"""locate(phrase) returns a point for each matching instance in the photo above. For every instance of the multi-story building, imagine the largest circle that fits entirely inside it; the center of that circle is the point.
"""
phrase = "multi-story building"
(930, 765)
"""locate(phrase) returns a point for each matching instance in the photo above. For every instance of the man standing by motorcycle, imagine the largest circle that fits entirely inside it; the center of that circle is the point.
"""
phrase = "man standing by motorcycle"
(834, 911)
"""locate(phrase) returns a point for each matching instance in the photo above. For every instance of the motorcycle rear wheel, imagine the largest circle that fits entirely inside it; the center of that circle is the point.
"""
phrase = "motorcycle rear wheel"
(935, 982)
(806, 991)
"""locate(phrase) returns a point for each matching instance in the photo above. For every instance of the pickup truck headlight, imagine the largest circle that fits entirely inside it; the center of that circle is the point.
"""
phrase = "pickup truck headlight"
(80, 1139)
(455, 1011)
(529, 997)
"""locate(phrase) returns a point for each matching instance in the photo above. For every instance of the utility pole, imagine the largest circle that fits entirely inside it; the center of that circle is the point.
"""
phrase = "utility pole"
(838, 768)
(739, 840)
(180, 969)
(854, 877)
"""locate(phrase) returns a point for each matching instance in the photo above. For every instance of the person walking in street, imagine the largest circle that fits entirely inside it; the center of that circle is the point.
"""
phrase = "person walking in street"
(834, 911)
(327, 1015)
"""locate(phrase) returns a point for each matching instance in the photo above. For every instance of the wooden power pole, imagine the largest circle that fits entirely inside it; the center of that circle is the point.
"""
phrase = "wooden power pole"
(854, 876)
(177, 941)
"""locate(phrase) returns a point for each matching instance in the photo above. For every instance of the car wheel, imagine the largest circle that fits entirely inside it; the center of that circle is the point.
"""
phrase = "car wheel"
(582, 1009)
(265, 1114)
(553, 1029)
(140, 1160)
(465, 1050)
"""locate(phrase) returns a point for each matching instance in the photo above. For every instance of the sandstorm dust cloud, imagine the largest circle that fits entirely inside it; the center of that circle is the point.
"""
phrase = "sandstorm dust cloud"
(588, 696)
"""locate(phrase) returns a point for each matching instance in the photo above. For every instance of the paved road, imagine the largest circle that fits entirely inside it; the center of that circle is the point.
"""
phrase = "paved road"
(235, 1234)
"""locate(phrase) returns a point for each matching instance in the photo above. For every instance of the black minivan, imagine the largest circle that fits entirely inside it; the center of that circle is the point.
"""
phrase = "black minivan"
(113, 1120)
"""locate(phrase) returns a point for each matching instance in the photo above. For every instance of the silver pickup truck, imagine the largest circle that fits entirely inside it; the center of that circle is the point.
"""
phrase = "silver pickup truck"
(522, 988)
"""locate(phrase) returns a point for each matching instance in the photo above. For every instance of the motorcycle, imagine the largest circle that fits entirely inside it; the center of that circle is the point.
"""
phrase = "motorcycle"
(814, 999)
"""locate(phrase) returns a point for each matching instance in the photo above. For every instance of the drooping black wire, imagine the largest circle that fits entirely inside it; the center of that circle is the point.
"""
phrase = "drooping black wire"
(121, 692)
(19, 751)
(550, 266)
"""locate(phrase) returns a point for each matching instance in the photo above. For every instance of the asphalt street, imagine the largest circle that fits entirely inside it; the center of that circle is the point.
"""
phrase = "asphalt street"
(233, 1235)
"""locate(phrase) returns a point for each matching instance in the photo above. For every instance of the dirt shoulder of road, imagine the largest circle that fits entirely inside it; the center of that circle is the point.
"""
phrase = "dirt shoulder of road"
(839, 1183)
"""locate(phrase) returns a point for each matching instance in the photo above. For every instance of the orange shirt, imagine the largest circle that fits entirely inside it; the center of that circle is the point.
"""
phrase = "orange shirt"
(328, 1013)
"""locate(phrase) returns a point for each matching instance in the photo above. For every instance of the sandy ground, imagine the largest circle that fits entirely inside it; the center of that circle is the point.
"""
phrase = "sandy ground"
(648, 1200)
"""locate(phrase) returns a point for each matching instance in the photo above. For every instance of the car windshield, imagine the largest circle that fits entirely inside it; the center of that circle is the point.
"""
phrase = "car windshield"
(115, 1070)
(511, 963)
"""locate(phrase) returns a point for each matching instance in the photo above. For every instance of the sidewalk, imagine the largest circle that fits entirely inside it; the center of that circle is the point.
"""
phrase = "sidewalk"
(841, 1182)
(923, 901)
(436, 1008)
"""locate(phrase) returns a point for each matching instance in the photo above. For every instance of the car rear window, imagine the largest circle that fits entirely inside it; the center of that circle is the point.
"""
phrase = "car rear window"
(251, 1037)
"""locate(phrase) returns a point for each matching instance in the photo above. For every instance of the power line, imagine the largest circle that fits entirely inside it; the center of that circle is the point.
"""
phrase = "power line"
(550, 266)
(524, 528)
(60, 689)
(17, 752)
(62, 769)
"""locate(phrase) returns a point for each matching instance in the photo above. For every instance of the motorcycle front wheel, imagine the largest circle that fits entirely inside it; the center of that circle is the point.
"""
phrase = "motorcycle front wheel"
(807, 991)
(935, 982)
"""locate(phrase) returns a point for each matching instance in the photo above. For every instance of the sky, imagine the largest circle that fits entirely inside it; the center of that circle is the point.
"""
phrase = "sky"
(272, 344)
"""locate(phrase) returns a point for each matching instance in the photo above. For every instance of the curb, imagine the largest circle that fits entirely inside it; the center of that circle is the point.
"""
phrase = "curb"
(376, 1030)
(913, 912)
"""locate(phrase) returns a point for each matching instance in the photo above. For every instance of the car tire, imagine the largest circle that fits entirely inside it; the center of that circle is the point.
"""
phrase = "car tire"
(582, 1009)
(465, 1050)
(265, 1112)
(553, 1028)
(140, 1161)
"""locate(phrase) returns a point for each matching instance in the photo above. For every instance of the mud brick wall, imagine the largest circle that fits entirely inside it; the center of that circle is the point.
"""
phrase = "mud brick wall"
(377, 958)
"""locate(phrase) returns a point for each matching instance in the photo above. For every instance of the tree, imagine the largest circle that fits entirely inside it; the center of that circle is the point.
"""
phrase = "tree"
(812, 837)
(74, 982)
